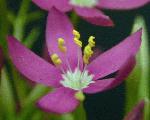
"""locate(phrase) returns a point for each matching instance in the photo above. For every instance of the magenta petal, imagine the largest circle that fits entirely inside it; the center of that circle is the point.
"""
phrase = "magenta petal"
(105, 84)
(32, 66)
(59, 26)
(122, 4)
(136, 113)
(94, 16)
(60, 101)
(111, 60)
(44, 4)
(62, 5)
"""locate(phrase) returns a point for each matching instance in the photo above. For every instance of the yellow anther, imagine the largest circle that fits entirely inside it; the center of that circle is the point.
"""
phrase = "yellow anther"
(76, 38)
(80, 96)
(91, 41)
(61, 45)
(55, 59)
(86, 59)
(76, 34)
(87, 54)
(88, 51)
(78, 42)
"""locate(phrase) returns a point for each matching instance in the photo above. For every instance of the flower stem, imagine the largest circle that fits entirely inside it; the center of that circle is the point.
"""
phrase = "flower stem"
(140, 84)
(20, 21)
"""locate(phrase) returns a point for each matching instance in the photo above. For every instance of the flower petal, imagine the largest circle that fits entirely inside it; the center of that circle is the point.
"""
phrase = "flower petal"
(62, 5)
(122, 4)
(60, 101)
(32, 66)
(105, 84)
(136, 113)
(94, 16)
(111, 60)
(59, 26)
(44, 4)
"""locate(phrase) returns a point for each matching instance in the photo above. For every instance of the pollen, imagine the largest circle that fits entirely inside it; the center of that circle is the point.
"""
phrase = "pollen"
(61, 45)
(55, 59)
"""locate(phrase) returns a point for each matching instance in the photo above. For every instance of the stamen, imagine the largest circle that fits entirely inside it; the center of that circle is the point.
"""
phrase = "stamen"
(55, 59)
(88, 52)
(80, 96)
(78, 42)
(63, 48)
(77, 38)
(61, 45)
(91, 41)
(76, 34)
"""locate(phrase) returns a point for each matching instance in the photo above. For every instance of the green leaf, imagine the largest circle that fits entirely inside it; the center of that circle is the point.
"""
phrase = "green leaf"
(28, 107)
(7, 99)
(32, 37)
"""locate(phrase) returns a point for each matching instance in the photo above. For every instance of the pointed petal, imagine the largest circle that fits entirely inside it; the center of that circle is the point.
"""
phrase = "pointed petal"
(60, 101)
(136, 113)
(94, 16)
(122, 4)
(32, 66)
(105, 84)
(59, 26)
(111, 60)
(62, 5)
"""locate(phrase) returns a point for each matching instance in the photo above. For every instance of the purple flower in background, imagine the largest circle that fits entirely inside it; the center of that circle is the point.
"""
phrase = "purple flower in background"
(136, 113)
(70, 74)
(89, 9)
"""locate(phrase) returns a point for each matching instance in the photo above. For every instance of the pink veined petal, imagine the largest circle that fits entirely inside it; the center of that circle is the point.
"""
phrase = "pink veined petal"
(32, 66)
(59, 26)
(60, 101)
(122, 4)
(136, 113)
(111, 60)
(105, 84)
(62, 5)
(94, 16)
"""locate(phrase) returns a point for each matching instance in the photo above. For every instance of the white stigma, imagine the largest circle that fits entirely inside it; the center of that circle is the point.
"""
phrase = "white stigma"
(84, 3)
(77, 80)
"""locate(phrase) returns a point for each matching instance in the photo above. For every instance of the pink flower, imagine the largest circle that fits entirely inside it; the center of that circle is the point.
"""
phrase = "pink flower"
(88, 9)
(136, 113)
(68, 74)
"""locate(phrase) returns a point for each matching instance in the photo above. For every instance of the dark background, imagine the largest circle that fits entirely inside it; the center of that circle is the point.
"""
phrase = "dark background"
(108, 105)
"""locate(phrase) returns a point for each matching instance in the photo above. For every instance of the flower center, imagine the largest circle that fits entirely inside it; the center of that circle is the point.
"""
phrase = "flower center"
(76, 80)
(84, 3)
